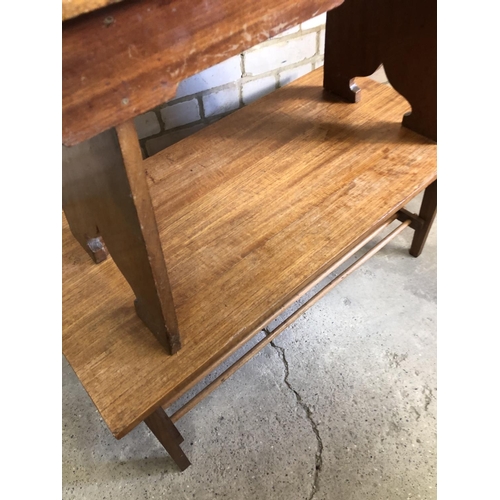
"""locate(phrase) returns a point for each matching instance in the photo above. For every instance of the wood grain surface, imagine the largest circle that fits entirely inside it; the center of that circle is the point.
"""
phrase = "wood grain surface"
(125, 59)
(250, 210)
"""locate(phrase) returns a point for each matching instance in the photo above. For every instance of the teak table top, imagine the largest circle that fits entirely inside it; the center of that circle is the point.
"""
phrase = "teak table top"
(250, 210)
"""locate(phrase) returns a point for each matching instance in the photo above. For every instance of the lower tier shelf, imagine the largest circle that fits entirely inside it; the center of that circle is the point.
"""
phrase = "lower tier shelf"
(251, 210)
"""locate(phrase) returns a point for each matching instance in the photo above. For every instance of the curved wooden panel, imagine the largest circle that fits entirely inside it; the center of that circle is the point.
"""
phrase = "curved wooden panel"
(401, 35)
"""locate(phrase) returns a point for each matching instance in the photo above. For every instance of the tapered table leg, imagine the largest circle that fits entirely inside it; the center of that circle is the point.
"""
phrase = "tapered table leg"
(427, 212)
(165, 431)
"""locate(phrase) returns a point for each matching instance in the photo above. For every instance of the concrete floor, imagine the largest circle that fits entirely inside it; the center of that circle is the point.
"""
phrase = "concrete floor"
(341, 406)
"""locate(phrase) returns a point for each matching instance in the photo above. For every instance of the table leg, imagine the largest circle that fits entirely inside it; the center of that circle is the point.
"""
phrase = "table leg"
(427, 213)
(165, 431)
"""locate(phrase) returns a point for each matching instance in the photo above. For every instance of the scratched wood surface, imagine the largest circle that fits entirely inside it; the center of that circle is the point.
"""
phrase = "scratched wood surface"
(250, 210)
(123, 60)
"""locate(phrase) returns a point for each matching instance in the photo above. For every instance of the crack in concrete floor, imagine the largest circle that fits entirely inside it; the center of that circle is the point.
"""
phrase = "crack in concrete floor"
(308, 412)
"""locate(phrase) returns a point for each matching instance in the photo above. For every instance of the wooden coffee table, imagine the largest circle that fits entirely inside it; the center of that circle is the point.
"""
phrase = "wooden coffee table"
(217, 235)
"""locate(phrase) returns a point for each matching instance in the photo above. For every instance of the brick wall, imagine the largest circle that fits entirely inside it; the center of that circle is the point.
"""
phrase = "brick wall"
(217, 91)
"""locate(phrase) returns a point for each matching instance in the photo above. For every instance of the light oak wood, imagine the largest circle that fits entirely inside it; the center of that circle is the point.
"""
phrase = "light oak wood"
(285, 324)
(250, 211)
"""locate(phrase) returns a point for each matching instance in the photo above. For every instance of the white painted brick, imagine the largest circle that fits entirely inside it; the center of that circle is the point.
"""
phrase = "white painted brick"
(322, 42)
(156, 144)
(225, 72)
(222, 101)
(289, 75)
(318, 64)
(147, 124)
(314, 22)
(279, 54)
(180, 113)
(290, 31)
(256, 89)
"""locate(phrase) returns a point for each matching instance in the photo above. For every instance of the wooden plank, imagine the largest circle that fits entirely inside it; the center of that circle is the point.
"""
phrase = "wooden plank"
(262, 198)
(121, 61)
(106, 197)
(250, 210)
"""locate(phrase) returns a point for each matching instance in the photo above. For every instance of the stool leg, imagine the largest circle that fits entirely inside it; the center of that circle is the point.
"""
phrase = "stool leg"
(427, 212)
(107, 203)
(165, 431)
(81, 217)
(362, 34)
(87, 234)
